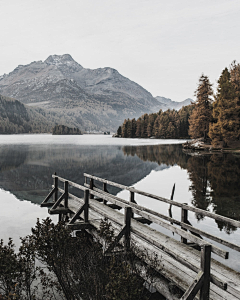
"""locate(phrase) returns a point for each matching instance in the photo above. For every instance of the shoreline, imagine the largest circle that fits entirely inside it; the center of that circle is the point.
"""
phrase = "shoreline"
(199, 145)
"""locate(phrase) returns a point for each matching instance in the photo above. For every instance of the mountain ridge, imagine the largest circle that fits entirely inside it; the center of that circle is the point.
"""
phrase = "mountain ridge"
(92, 99)
(170, 104)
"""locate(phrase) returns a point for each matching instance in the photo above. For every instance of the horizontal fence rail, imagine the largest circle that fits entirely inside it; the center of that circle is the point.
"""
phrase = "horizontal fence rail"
(172, 202)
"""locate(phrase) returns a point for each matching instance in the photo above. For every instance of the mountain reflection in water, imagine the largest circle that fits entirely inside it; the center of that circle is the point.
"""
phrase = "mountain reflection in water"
(25, 171)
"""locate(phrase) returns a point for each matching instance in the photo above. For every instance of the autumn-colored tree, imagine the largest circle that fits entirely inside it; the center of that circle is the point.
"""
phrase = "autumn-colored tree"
(152, 118)
(124, 128)
(202, 112)
(226, 108)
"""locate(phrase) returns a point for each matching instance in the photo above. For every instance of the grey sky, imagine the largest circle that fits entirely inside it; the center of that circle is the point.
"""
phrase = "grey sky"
(163, 45)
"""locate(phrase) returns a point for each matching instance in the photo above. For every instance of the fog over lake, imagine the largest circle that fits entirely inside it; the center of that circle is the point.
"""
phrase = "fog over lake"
(27, 163)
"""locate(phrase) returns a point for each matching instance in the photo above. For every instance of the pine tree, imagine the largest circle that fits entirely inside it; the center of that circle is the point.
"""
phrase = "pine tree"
(119, 131)
(226, 109)
(138, 127)
(202, 112)
(124, 129)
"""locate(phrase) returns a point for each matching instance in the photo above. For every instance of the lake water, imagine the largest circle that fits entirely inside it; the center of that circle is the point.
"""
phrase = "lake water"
(27, 162)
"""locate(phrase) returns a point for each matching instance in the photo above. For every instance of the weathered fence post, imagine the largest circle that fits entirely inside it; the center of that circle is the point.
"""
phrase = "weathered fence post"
(205, 267)
(184, 219)
(86, 205)
(56, 187)
(91, 187)
(66, 194)
(132, 200)
(105, 190)
(127, 220)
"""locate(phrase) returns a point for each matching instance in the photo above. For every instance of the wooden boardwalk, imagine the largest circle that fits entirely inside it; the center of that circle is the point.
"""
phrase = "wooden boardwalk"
(197, 274)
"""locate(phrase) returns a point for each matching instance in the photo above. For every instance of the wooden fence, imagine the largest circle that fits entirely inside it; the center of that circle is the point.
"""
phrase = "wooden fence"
(93, 195)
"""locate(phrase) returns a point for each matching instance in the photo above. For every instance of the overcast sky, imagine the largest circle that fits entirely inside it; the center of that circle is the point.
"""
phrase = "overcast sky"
(163, 45)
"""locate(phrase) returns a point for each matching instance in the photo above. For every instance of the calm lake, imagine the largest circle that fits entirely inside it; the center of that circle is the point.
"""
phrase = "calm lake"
(209, 182)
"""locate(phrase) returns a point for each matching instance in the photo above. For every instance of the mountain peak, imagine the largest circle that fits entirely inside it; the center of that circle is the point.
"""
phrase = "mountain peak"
(54, 59)
(65, 59)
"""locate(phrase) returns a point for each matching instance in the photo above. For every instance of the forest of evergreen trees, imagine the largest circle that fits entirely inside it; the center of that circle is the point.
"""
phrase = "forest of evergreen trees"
(167, 124)
(213, 117)
(62, 129)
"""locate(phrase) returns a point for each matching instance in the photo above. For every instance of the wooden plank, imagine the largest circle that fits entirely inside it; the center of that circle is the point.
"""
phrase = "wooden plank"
(59, 210)
(114, 206)
(142, 220)
(48, 204)
(98, 199)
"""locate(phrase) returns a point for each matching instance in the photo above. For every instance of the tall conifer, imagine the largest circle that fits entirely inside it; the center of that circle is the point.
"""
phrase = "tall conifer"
(202, 111)
(226, 109)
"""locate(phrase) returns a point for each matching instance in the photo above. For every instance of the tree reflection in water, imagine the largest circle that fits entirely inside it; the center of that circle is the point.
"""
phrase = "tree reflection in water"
(214, 178)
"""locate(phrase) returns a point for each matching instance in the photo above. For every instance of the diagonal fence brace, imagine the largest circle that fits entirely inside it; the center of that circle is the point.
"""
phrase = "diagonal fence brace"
(202, 281)
(56, 204)
(84, 208)
(45, 201)
(116, 240)
(125, 232)
(77, 214)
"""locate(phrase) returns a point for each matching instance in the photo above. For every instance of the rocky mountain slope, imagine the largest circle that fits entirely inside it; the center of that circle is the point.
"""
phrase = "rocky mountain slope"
(97, 99)
(170, 104)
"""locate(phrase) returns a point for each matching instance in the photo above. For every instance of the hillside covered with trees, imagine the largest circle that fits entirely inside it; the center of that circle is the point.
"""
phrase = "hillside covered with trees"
(16, 117)
(214, 118)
